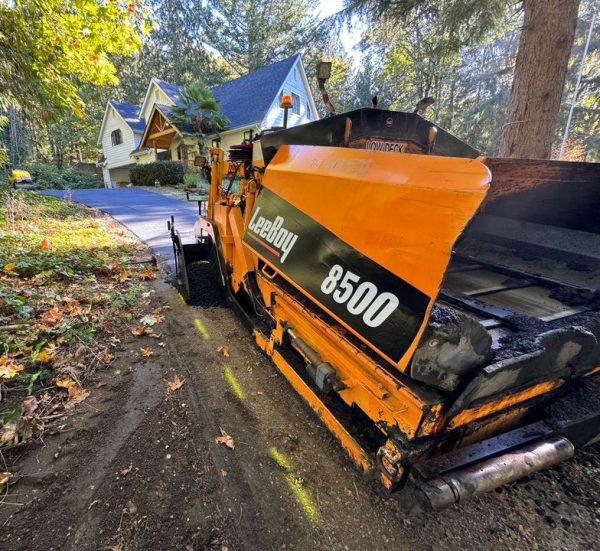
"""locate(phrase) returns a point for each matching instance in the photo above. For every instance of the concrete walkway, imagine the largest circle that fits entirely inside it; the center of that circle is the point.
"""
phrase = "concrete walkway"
(143, 212)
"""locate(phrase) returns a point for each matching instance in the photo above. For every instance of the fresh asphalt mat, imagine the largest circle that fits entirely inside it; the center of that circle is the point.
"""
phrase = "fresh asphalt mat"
(139, 468)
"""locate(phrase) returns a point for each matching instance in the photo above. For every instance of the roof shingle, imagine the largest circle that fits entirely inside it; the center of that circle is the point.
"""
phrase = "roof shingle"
(244, 100)
(130, 114)
(247, 99)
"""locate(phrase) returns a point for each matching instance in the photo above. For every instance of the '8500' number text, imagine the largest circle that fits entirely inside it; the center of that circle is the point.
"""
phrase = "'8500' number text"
(360, 298)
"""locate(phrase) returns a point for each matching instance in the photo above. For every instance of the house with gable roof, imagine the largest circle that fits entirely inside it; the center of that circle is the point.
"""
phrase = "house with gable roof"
(133, 134)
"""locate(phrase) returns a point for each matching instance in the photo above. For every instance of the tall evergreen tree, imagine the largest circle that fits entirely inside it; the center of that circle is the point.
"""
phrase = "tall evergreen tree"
(174, 51)
(248, 34)
(542, 59)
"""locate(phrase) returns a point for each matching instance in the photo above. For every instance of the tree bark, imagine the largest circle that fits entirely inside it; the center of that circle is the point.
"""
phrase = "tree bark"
(540, 71)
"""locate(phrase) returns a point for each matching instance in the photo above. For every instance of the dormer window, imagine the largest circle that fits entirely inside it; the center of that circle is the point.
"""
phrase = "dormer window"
(116, 137)
(295, 104)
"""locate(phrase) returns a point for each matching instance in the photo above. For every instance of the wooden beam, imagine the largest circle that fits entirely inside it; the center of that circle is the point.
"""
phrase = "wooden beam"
(162, 133)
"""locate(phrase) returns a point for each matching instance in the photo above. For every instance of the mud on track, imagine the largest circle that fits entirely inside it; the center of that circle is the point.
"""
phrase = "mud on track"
(139, 469)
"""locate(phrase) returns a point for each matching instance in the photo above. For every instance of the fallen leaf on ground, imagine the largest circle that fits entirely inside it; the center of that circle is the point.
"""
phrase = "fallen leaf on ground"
(5, 477)
(114, 340)
(225, 439)
(146, 352)
(8, 268)
(29, 405)
(74, 309)
(138, 330)
(76, 396)
(159, 318)
(223, 350)
(148, 320)
(161, 344)
(9, 433)
(148, 274)
(22, 430)
(52, 317)
(45, 244)
(175, 384)
(127, 470)
(8, 367)
(65, 382)
(46, 355)
(106, 357)
(122, 277)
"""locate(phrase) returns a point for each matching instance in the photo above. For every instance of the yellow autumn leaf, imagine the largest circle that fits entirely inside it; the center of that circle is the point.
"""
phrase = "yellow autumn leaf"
(8, 367)
(9, 433)
(65, 382)
(46, 355)
(8, 268)
(146, 352)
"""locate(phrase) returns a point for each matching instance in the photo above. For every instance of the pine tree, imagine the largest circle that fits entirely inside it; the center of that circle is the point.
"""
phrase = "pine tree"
(249, 34)
(542, 59)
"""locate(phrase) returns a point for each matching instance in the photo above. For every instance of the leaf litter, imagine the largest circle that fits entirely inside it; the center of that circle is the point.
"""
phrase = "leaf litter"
(225, 439)
(68, 287)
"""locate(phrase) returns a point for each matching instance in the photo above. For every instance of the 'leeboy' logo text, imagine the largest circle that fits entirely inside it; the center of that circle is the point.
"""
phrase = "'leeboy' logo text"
(272, 232)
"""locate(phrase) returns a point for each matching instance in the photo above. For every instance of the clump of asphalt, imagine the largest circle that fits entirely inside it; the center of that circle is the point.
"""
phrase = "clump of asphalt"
(205, 291)
(576, 297)
(442, 315)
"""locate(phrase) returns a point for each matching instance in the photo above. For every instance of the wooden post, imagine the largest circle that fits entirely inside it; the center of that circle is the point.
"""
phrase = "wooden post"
(155, 151)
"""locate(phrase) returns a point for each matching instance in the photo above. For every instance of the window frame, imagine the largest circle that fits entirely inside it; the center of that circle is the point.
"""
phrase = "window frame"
(116, 137)
(297, 104)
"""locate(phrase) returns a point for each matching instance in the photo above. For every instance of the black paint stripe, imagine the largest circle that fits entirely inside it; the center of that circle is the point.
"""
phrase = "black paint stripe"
(314, 253)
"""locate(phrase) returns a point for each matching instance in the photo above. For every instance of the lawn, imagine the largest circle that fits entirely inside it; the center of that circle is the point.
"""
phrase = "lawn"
(71, 280)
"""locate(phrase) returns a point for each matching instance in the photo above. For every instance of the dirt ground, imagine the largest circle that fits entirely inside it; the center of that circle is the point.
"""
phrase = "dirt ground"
(139, 468)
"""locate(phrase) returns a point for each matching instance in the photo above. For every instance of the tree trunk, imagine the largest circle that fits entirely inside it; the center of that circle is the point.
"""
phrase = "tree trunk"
(540, 71)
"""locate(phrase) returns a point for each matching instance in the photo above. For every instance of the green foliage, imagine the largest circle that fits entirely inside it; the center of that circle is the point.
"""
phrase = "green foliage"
(49, 48)
(458, 23)
(175, 51)
(51, 177)
(199, 110)
(168, 173)
(249, 34)
(3, 152)
(462, 54)
(193, 179)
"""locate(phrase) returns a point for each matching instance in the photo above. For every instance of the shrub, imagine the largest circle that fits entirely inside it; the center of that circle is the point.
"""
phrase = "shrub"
(52, 177)
(168, 173)
(193, 179)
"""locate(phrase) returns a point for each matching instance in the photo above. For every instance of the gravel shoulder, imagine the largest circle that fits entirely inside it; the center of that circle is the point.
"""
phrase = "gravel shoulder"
(138, 467)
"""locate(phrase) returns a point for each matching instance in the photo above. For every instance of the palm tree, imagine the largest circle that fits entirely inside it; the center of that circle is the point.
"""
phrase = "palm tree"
(199, 110)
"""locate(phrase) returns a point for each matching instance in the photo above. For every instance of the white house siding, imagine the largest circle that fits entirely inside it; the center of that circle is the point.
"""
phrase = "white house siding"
(117, 155)
(294, 83)
(119, 176)
(155, 95)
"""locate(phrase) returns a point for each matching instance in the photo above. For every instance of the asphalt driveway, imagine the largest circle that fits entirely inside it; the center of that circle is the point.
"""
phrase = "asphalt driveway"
(143, 212)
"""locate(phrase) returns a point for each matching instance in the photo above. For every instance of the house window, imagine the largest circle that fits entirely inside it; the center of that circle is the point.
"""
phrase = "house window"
(295, 104)
(115, 137)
